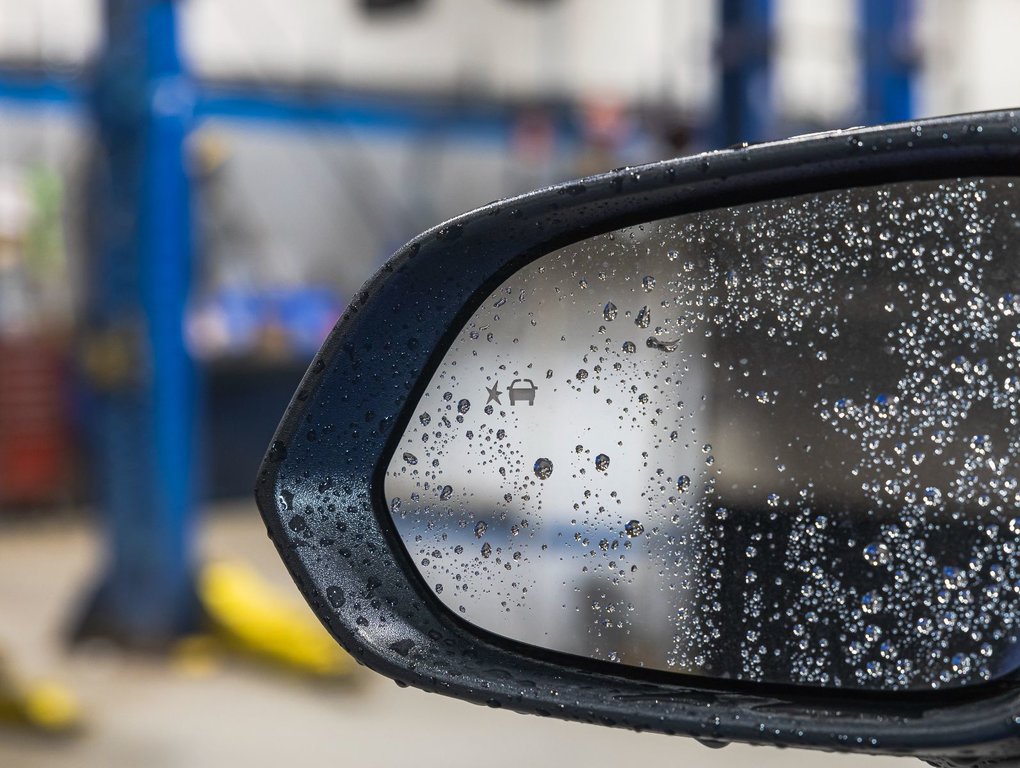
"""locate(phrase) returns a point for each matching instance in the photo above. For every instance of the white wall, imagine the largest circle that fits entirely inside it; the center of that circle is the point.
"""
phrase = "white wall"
(646, 50)
(638, 49)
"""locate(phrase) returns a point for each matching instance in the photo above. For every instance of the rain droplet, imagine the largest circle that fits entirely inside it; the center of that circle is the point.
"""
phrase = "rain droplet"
(543, 469)
(683, 483)
(1009, 304)
(410, 458)
(877, 553)
(480, 528)
(445, 492)
(648, 282)
(629, 347)
(463, 406)
(602, 462)
(644, 317)
(662, 346)
(871, 602)
(609, 311)
(486, 549)
(633, 529)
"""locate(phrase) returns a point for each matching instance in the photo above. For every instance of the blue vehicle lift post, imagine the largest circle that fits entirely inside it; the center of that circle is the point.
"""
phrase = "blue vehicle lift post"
(141, 103)
(141, 379)
(744, 110)
(889, 60)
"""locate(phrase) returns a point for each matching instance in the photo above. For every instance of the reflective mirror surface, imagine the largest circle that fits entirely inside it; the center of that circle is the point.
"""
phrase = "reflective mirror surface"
(773, 443)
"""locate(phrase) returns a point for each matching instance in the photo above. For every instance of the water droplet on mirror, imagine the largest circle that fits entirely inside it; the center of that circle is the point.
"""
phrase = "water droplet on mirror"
(1009, 304)
(581, 374)
(871, 602)
(486, 549)
(543, 469)
(609, 311)
(662, 346)
(644, 318)
(633, 529)
(410, 458)
(877, 554)
(463, 406)
(602, 462)
(648, 282)
(683, 483)
(445, 492)
(480, 528)
(629, 347)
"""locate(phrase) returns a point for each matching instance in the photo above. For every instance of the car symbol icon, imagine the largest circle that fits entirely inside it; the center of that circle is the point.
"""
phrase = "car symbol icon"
(522, 392)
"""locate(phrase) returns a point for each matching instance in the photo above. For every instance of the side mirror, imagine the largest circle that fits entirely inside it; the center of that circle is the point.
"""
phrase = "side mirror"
(724, 446)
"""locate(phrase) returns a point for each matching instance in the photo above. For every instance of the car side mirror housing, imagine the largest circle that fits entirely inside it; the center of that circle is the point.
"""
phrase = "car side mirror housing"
(723, 446)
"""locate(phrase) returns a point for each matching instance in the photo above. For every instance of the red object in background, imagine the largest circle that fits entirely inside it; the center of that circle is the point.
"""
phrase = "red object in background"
(35, 446)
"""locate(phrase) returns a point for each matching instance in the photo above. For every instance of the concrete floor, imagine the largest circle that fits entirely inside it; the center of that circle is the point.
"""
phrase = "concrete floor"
(145, 712)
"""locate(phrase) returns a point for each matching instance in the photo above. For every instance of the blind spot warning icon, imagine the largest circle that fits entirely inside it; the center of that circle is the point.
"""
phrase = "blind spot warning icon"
(522, 392)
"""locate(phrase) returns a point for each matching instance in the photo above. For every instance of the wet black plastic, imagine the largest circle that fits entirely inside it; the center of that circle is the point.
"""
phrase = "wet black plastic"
(320, 485)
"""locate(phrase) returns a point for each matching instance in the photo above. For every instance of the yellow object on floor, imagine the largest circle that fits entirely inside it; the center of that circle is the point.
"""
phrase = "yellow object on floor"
(44, 707)
(255, 617)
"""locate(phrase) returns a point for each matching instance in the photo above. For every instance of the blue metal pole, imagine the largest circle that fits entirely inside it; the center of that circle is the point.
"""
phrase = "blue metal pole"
(744, 109)
(142, 379)
(888, 60)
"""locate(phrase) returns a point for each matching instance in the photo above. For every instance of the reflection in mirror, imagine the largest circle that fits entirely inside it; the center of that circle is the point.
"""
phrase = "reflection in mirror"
(773, 443)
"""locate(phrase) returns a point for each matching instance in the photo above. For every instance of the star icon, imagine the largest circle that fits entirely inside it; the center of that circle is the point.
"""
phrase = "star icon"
(494, 394)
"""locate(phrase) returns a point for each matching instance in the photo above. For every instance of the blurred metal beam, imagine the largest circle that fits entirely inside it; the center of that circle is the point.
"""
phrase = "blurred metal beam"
(888, 61)
(745, 106)
(320, 108)
(33, 87)
(328, 108)
(142, 381)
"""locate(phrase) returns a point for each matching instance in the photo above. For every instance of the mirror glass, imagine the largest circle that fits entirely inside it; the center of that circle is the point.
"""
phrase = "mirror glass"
(777, 442)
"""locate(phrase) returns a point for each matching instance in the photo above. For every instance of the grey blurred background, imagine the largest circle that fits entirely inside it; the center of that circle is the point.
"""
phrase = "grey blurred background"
(191, 192)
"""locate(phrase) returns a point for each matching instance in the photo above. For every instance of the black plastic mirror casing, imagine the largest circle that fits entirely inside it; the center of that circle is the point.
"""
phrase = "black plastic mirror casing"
(320, 486)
